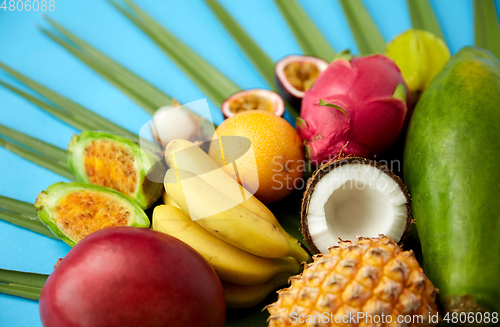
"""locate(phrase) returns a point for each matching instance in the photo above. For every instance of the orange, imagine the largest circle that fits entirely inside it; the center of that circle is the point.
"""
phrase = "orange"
(263, 151)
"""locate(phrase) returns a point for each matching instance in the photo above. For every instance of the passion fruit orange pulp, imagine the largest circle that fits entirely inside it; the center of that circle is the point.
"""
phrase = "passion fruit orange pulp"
(295, 74)
(254, 99)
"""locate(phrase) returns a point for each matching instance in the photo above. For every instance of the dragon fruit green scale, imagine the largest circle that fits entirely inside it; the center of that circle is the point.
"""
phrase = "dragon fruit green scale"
(356, 106)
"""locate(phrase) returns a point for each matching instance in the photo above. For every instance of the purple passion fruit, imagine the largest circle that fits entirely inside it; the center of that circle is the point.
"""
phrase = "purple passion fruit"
(295, 74)
(256, 99)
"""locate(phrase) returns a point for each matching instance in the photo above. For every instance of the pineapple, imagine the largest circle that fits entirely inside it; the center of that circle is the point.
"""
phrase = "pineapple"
(371, 282)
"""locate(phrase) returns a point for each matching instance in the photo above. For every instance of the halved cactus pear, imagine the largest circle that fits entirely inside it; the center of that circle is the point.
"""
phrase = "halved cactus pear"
(116, 162)
(74, 210)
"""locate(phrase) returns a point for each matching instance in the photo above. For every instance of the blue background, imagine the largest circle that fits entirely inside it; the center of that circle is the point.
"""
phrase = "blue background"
(25, 48)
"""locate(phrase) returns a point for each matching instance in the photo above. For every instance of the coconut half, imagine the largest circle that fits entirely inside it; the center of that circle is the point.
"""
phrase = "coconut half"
(353, 197)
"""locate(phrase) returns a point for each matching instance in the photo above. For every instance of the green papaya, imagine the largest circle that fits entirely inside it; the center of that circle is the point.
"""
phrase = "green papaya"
(451, 169)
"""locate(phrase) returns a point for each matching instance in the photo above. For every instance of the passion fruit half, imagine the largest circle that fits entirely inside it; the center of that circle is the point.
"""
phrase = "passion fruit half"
(295, 74)
(255, 99)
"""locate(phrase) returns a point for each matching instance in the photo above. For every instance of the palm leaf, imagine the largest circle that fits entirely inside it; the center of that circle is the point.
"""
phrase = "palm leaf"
(38, 158)
(366, 33)
(32, 224)
(35, 150)
(76, 121)
(22, 284)
(213, 83)
(307, 34)
(27, 292)
(50, 150)
(22, 278)
(24, 209)
(486, 26)
(63, 108)
(260, 59)
(422, 17)
(136, 88)
(22, 214)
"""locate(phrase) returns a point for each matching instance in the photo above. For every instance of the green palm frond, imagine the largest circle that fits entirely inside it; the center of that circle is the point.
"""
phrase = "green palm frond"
(22, 278)
(62, 107)
(422, 17)
(27, 292)
(310, 39)
(58, 154)
(146, 95)
(486, 26)
(260, 59)
(149, 97)
(36, 151)
(24, 209)
(38, 158)
(22, 214)
(22, 284)
(213, 83)
(366, 33)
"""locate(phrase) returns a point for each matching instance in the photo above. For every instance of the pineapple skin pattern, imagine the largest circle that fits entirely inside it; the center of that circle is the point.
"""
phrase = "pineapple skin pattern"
(372, 282)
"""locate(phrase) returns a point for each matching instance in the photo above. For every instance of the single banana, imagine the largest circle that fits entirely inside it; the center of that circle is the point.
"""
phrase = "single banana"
(230, 263)
(185, 155)
(224, 218)
(168, 200)
(245, 296)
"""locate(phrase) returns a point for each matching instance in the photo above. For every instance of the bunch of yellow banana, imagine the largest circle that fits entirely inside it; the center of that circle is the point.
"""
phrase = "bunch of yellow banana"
(235, 232)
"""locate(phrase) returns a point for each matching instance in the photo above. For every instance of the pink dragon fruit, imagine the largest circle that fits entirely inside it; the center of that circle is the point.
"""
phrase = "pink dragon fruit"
(356, 106)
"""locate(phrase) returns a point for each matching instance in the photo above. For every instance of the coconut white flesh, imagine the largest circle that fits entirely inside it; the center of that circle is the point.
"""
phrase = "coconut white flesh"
(355, 200)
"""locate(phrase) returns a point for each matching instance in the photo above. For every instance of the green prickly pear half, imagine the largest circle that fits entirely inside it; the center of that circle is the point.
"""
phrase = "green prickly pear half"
(357, 106)
(74, 210)
(116, 162)
(420, 55)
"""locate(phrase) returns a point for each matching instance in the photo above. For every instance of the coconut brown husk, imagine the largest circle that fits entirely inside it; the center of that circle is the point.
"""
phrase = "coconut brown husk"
(326, 168)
